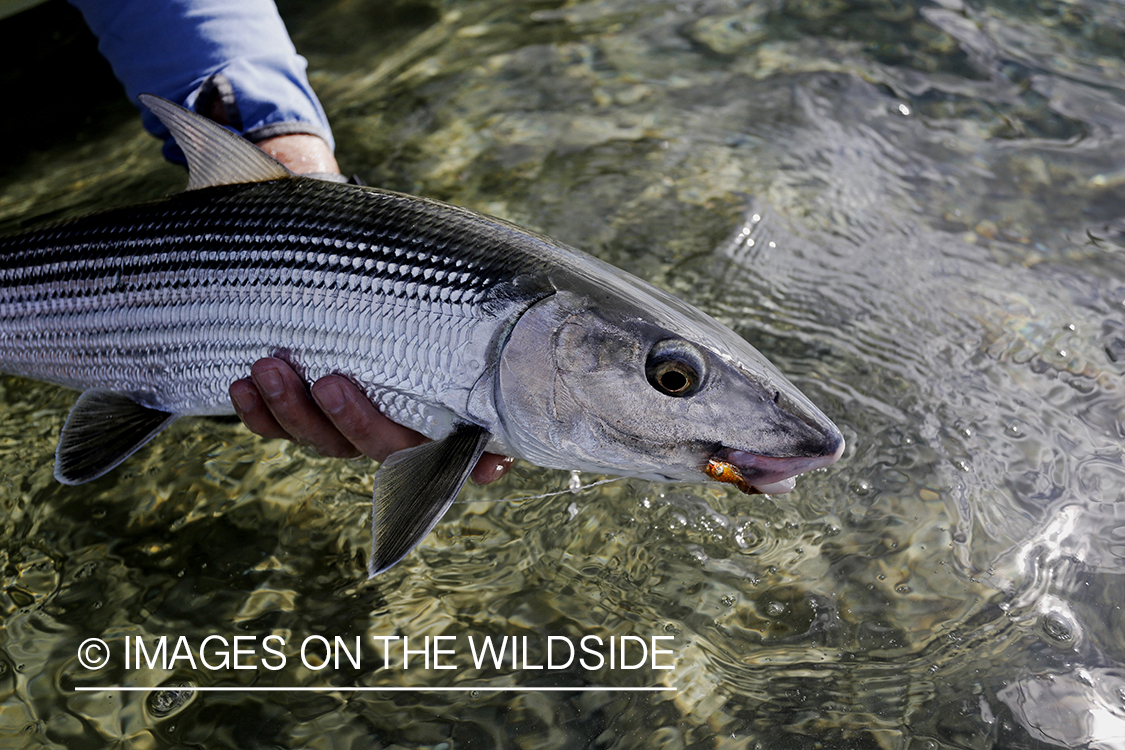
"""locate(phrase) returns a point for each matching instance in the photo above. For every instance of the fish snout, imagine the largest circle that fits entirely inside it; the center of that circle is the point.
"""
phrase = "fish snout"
(755, 473)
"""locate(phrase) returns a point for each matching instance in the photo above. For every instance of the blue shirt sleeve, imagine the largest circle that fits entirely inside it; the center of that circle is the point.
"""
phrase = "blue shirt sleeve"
(190, 51)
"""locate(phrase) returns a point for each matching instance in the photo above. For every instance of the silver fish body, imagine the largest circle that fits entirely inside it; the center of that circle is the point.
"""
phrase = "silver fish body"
(173, 300)
(470, 330)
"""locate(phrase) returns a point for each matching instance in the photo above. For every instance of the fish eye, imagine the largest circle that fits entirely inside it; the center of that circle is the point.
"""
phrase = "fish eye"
(675, 368)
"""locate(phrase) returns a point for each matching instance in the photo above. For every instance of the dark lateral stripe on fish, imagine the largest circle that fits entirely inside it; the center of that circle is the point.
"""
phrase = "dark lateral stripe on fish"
(136, 273)
(226, 239)
(299, 253)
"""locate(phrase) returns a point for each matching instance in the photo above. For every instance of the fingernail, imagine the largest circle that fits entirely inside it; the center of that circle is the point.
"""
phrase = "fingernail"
(244, 401)
(330, 397)
(486, 472)
(269, 380)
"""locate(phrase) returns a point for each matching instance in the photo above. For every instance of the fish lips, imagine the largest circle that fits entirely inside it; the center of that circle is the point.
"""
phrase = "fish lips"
(754, 473)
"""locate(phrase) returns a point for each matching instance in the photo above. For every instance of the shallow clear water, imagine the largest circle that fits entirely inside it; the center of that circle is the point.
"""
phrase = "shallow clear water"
(914, 209)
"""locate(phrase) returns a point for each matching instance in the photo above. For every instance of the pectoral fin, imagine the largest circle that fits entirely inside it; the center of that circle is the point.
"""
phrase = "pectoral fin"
(415, 487)
(103, 429)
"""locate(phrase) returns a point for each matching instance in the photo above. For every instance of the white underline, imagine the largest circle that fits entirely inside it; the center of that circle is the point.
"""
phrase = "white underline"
(350, 689)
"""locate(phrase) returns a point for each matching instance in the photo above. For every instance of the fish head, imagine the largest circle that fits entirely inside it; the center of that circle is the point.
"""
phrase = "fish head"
(630, 380)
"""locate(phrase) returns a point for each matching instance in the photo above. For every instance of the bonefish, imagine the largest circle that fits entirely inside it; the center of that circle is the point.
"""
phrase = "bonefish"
(477, 333)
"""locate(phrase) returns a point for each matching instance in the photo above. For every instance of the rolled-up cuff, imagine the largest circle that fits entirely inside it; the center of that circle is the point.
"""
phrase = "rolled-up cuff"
(218, 95)
(258, 103)
(285, 128)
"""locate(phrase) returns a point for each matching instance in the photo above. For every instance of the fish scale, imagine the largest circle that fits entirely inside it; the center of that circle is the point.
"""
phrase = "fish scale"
(181, 308)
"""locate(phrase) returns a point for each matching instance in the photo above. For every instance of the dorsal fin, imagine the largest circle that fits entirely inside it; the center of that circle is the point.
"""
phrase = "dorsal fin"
(215, 156)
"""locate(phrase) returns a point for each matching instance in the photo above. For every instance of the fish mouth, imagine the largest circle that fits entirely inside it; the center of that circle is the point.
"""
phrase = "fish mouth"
(756, 474)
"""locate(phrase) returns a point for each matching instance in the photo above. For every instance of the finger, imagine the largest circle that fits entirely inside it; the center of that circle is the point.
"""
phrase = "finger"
(253, 412)
(491, 467)
(375, 435)
(358, 420)
(289, 402)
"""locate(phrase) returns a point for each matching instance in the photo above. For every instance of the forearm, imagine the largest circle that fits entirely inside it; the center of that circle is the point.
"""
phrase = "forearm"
(232, 61)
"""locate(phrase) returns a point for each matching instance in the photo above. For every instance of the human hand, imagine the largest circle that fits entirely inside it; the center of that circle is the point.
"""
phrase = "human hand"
(334, 418)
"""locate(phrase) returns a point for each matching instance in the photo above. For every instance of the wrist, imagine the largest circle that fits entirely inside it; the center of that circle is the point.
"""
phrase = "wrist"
(301, 153)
